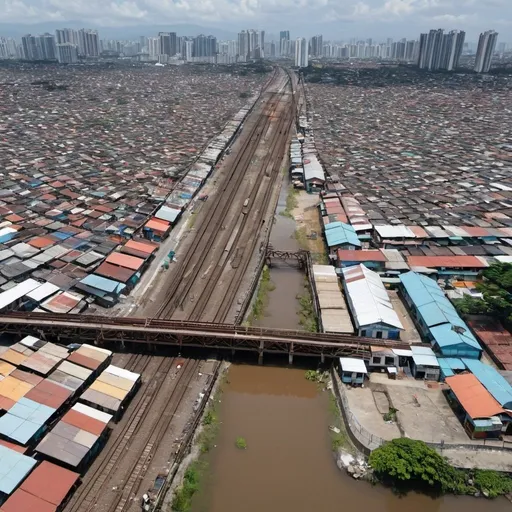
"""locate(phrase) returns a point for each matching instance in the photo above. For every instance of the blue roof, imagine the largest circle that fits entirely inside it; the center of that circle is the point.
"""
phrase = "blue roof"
(437, 312)
(338, 233)
(102, 283)
(14, 467)
(445, 336)
(29, 410)
(453, 363)
(497, 386)
(18, 429)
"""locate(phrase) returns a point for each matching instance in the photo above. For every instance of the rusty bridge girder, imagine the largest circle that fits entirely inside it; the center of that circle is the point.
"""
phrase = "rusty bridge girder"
(140, 331)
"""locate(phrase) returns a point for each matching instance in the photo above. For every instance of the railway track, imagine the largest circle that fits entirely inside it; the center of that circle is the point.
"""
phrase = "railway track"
(216, 236)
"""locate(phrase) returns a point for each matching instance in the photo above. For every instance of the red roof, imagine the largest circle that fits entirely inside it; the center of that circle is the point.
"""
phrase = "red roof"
(50, 482)
(347, 255)
(49, 393)
(22, 501)
(141, 246)
(84, 422)
(446, 261)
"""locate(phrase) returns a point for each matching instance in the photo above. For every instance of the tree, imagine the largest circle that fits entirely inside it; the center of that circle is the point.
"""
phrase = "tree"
(471, 306)
(406, 463)
(500, 274)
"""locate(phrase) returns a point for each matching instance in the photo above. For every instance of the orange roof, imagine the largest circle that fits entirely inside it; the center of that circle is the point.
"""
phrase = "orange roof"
(40, 242)
(472, 395)
(141, 246)
(157, 225)
(418, 231)
(446, 261)
(124, 260)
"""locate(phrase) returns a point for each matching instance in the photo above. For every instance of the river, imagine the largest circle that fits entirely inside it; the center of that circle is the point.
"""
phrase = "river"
(288, 465)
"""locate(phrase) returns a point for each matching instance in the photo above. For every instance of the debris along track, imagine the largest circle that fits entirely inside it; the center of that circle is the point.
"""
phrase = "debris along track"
(115, 463)
(125, 496)
(199, 273)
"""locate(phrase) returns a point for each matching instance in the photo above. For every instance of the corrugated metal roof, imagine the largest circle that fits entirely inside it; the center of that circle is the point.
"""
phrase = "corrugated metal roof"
(115, 272)
(446, 261)
(42, 292)
(168, 214)
(338, 233)
(18, 429)
(86, 362)
(13, 388)
(424, 356)
(446, 335)
(74, 370)
(397, 231)
(124, 260)
(101, 283)
(351, 364)
(364, 255)
(29, 410)
(93, 413)
(84, 422)
(50, 483)
(22, 501)
(368, 298)
(13, 357)
(41, 363)
(54, 350)
(473, 396)
(141, 246)
(49, 393)
(109, 390)
(493, 381)
(14, 467)
(93, 397)
(121, 372)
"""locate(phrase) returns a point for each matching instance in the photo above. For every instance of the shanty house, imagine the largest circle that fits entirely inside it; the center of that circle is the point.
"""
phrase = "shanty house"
(424, 363)
(371, 308)
(352, 371)
(339, 235)
(383, 358)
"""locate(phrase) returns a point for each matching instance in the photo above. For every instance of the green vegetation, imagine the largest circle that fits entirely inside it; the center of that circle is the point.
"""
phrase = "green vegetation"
(291, 202)
(260, 303)
(407, 464)
(314, 375)
(390, 415)
(241, 443)
(302, 238)
(497, 294)
(191, 220)
(307, 316)
(182, 500)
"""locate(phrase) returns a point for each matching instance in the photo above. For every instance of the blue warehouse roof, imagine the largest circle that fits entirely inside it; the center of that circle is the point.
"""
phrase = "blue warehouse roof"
(14, 467)
(101, 283)
(338, 233)
(438, 313)
(492, 380)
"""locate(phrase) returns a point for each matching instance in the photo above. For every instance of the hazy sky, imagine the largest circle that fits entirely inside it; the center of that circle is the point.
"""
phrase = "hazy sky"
(334, 18)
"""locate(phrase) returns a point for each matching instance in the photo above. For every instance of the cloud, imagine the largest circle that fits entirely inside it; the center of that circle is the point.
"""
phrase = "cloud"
(370, 18)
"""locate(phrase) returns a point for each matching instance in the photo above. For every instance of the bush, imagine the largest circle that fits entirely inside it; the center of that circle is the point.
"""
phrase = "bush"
(492, 483)
(241, 443)
(410, 464)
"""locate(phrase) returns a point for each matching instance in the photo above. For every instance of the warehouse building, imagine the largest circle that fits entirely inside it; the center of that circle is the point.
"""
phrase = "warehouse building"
(370, 305)
(436, 318)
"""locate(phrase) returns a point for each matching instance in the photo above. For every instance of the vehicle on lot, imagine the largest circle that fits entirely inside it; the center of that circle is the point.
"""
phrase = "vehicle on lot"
(203, 197)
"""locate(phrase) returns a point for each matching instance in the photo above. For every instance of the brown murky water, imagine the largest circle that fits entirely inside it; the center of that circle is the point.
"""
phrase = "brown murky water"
(288, 465)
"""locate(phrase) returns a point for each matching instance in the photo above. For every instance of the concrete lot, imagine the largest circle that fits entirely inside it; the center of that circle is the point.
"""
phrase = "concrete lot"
(423, 412)
(410, 333)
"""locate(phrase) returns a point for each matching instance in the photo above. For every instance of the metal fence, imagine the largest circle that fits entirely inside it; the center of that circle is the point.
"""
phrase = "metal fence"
(362, 437)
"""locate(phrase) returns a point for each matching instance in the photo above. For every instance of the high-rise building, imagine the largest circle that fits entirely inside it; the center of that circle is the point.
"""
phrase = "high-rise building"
(165, 43)
(204, 46)
(301, 52)
(438, 50)
(153, 47)
(485, 51)
(284, 42)
(48, 49)
(316, 44)
(67, 53)
(31, 49)
(88, 43)
(243, 45)
(8, 48)
(251, 44)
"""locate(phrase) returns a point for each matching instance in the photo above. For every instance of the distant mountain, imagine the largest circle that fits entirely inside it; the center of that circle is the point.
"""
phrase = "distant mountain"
(128, 32)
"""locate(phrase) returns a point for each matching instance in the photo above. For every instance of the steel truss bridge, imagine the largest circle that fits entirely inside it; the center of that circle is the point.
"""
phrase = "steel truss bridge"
(129, 332)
